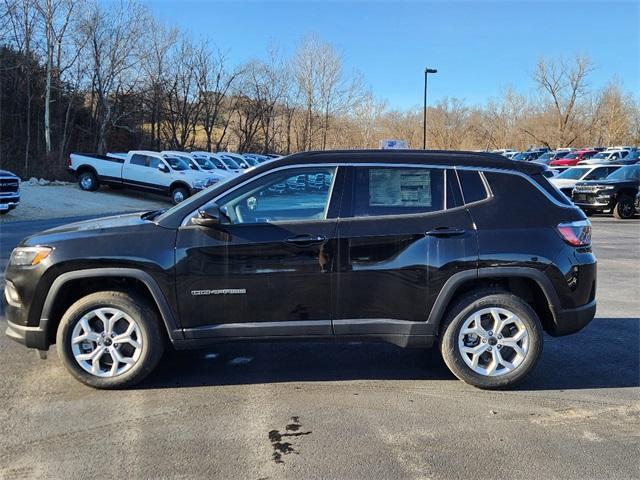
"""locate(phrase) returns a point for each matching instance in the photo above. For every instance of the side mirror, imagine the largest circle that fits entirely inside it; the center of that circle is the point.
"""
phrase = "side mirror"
(209, 217)
(163, 167)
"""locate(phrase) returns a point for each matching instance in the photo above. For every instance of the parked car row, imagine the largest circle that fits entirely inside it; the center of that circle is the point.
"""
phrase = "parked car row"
(602, 188)
(177, 174)
(568, 157)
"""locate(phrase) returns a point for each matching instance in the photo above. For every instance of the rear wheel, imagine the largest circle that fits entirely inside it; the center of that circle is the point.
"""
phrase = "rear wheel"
(88, 181)
(624, 208)
(110, 339)
(491, 339)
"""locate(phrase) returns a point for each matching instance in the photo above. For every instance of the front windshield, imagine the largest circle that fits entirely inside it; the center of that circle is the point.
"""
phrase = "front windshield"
(573, 173)
(632, 172)
(177, 163)
(545, 156)
(519, 156)
(600, 155)
(571, 156)
(205, 164)
(250, 161)
(230, 163)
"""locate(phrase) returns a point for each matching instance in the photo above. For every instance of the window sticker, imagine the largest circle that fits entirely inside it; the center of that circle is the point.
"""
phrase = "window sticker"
(399, 188)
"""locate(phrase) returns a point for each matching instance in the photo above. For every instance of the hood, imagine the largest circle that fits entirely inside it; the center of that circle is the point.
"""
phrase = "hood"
(563, 182)
(5, 173)
(88, 228)
(606, 182)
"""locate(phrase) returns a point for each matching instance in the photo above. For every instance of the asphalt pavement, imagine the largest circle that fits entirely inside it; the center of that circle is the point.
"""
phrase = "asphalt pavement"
(341, 410)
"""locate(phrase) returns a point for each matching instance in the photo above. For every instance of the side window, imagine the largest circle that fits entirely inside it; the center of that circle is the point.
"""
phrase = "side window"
(217, 163)
(397, 191)
(597, 174)
(473, 189)
(154, 162)
(289, 195)
(138, 159)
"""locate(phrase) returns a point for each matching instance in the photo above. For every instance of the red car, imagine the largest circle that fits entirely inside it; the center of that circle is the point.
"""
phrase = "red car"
(573, 158)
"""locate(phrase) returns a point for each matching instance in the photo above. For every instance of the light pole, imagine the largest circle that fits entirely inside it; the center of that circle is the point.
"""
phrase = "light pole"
(424, 115)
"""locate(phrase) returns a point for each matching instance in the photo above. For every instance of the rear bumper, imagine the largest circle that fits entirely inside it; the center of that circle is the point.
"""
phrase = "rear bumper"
(32, 337)
(568, 321)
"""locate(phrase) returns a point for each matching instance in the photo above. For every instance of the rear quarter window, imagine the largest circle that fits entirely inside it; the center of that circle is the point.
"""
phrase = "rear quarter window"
(473, 188)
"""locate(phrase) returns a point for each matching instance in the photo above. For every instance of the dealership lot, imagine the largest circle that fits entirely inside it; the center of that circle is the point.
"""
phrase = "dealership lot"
(324, 410)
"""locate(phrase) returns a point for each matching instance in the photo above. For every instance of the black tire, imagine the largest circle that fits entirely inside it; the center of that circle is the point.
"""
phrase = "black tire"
(146, 318)
(179, 194)
(624, 209)
(88, 181)
(4, 212)
(462, 310)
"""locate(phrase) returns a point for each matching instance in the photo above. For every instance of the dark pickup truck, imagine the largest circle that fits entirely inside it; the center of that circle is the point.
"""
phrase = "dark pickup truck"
(616, 193)
(9, 191)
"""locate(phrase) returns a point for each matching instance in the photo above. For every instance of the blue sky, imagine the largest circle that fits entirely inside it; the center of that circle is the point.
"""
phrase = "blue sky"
(478, 47)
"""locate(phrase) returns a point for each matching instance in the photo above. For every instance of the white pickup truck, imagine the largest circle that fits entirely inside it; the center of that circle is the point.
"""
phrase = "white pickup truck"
(141, 170)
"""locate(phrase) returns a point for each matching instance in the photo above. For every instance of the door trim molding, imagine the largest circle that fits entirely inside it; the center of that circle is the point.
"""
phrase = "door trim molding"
(292, 328)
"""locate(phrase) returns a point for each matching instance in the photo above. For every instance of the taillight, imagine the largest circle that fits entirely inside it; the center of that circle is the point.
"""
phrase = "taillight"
(69, 162)
(576, 234)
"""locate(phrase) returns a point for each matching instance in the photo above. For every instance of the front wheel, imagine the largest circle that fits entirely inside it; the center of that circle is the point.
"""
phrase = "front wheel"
(110, 339)
(624, 208)
(491, 339)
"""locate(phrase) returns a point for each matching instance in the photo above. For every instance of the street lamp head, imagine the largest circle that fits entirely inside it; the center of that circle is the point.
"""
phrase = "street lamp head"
(430, 70)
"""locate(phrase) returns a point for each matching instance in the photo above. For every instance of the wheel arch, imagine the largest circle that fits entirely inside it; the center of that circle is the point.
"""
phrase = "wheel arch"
(86, 168)
(528, 283)
(71, 286)
(179, 184)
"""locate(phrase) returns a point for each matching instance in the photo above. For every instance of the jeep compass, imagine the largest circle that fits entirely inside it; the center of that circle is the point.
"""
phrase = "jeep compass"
(471, 253)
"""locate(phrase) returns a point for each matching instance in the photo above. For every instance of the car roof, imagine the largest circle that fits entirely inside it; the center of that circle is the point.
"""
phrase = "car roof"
(433, 157)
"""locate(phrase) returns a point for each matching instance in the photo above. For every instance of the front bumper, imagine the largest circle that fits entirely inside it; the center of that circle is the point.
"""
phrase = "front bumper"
(9, 203)
(32, 337)
(568, 321)
(591, 201)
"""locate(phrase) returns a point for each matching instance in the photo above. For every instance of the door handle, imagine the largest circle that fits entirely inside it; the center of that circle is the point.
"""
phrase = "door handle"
(305, 240)
(446, 232)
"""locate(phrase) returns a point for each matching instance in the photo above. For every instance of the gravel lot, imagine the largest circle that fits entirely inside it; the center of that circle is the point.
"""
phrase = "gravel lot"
(59, 201)
(311, 410)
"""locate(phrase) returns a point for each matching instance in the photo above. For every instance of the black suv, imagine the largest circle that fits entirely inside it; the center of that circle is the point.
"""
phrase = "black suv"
(471, 252)
(616, 193)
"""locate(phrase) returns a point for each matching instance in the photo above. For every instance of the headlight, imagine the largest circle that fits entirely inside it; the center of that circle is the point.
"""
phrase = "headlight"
(609, 187)
(29, 256)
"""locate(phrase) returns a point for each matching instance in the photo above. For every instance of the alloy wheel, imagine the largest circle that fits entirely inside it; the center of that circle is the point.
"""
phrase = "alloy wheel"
(106, 342)
(493, 341)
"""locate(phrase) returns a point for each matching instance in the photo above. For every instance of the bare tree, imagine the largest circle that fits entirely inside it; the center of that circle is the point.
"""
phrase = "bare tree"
(182, 102)
(21, 16)
(56, 16)
(112, 32)
(214, 82)
(160, 40)
(563, 85)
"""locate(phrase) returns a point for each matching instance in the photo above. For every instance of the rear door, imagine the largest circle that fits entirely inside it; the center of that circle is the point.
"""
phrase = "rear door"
(403, 233)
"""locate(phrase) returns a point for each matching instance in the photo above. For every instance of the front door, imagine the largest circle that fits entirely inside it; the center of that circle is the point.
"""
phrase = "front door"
(405, 234)
(267, 269)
